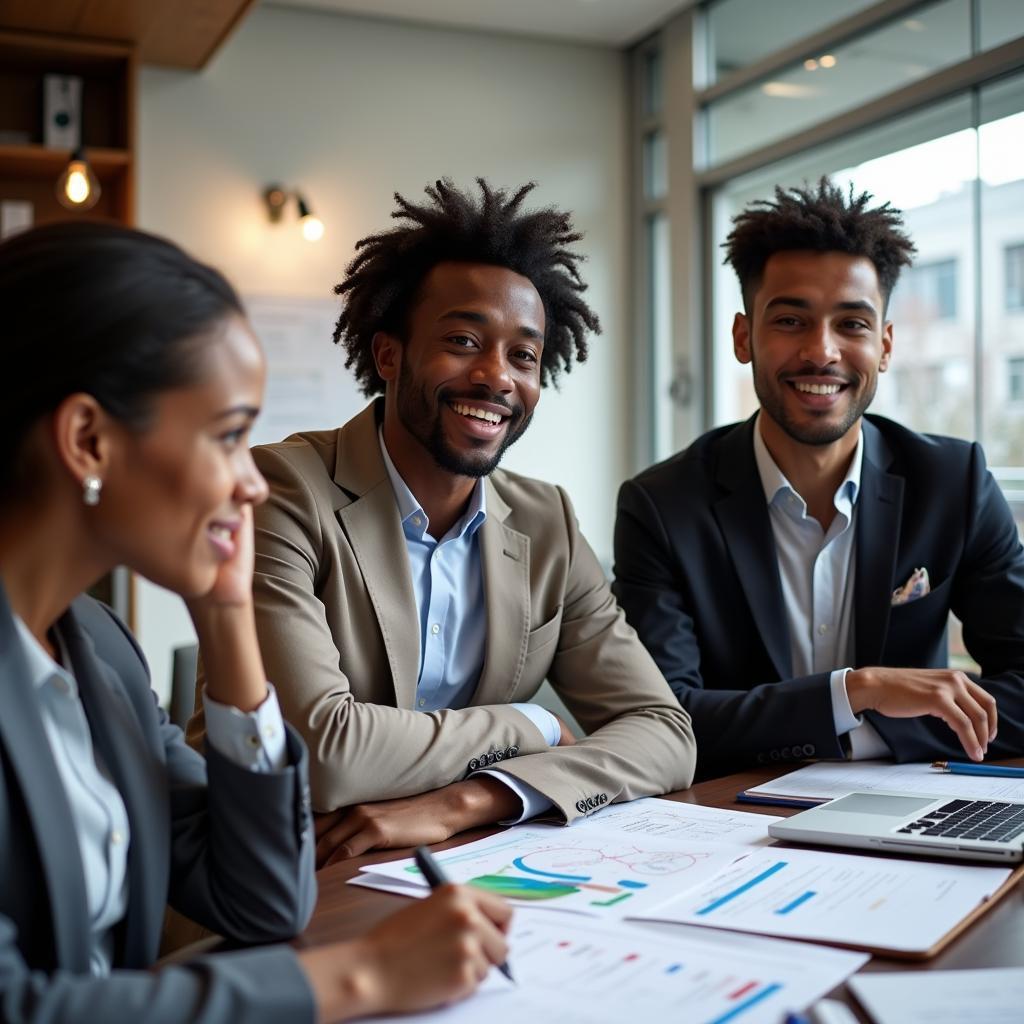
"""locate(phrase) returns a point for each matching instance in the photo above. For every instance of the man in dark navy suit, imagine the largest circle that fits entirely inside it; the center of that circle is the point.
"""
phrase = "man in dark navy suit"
(793, 575)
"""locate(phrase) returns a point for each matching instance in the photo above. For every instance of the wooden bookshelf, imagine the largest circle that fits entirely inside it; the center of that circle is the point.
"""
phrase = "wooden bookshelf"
(29, 170)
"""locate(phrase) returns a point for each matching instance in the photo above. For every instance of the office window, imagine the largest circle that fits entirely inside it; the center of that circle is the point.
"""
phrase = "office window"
(1015, 379)
(819, 86)
(1014, 268)
(926, 290)
(742, 32)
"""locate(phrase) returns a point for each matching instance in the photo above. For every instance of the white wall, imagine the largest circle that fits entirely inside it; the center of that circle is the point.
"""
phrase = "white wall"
(353, 110)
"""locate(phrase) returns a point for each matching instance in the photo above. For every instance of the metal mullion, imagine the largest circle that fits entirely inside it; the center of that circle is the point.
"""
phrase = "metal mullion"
(841, 32)
(959, 77)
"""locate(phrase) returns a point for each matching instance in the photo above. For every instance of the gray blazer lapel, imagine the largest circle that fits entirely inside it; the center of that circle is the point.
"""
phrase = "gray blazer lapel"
(742, 515)
(142, 784)
(28, 749)
(879, 512)
(505, 558)
(374, 531)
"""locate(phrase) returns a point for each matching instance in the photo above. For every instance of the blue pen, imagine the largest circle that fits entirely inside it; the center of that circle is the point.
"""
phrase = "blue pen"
(966, 768)
(796, 1018)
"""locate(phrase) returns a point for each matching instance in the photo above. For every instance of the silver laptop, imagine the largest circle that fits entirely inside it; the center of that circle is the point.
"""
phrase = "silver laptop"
(990, 830)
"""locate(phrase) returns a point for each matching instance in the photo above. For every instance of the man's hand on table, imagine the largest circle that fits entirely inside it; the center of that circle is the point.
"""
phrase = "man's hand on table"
(961, 703)
(413, 821)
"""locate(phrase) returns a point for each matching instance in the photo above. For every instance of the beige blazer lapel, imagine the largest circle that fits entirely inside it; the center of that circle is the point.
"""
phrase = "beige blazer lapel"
(374, 531)
(505, 558)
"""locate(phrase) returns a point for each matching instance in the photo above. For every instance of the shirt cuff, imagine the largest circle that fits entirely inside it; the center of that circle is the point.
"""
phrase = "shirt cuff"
(866, 744)
(250, 739)
(544, 720)
(534, 802)
(842, 714)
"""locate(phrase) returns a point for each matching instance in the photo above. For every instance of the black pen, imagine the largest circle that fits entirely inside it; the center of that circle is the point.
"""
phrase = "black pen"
(435, 877)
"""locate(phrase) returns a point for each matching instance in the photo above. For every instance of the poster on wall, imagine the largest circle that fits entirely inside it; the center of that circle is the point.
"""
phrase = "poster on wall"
(308, 387)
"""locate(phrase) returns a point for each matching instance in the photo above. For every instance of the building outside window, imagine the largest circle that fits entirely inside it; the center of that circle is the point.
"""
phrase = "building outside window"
(1014, 265)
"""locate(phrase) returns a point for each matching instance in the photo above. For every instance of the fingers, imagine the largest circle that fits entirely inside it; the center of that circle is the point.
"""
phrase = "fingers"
(988, 703)
(494, 908)
(966, 709)
(334, 844)
(482, 918)
(323, 822)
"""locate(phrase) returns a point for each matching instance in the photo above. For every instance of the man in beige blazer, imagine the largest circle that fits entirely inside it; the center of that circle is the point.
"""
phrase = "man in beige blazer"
(417, 717)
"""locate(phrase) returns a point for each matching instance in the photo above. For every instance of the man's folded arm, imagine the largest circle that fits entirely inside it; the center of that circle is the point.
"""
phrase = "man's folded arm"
(638, 740)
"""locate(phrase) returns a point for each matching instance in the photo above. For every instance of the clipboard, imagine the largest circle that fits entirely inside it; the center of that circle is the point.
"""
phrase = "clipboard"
(917, 956)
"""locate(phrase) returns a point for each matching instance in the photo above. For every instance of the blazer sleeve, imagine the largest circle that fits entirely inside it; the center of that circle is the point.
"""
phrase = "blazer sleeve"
(361, 750)
(241, 863)
(766, 721)
(242, 842)
(258, 986)
(639, 741)
(988, 598)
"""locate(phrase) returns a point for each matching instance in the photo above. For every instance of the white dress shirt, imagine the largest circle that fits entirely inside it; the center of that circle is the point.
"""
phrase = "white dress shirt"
(817, 571)
(255, 741)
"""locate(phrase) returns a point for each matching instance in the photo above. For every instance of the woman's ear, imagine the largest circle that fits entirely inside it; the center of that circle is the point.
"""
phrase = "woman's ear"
(82, 437)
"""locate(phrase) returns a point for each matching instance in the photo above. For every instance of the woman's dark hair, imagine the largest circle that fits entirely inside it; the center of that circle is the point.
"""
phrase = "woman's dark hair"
(383, 280)
(820, 219)
(101, 309)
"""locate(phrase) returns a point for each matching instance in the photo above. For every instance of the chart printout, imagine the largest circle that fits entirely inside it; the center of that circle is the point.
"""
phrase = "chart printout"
(873, 902)
(576, 970)
(597, 873)
(671, 819)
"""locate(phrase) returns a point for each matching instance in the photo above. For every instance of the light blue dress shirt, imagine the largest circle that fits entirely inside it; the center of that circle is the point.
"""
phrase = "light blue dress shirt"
(255, 741)
(447, 579)
(817, 569)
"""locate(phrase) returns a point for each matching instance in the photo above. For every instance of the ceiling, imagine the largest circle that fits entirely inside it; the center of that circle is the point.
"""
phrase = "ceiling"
(602, 22)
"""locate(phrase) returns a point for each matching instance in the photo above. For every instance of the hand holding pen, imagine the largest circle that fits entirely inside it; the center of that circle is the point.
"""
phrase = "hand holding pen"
(435, 877)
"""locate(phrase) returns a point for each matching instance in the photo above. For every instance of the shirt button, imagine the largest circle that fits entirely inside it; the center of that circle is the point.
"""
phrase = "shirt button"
(422, 702)
(116, 837)
(435, 629)
(253, 740)
(61, 685)
(416, 520)
(269, 731)
(822, 629)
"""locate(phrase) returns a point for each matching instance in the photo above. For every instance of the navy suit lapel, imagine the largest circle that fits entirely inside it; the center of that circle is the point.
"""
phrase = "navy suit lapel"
(141, 781)
(24, 738)
(879, 512)
(742, 514)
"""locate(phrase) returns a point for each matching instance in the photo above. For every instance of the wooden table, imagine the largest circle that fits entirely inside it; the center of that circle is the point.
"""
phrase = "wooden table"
(996, 940)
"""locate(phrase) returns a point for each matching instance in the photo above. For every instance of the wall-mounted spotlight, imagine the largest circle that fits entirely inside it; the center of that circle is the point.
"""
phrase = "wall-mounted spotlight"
(276, 199)
(78, 188)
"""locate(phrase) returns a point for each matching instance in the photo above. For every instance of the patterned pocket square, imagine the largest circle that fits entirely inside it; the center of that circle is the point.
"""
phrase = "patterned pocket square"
(915, 587)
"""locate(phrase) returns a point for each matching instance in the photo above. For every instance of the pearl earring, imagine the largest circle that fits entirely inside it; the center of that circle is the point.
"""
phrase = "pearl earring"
(91, 487)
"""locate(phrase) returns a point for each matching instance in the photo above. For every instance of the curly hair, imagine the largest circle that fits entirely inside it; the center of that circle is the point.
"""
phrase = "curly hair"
(822, 219)
(383, 280)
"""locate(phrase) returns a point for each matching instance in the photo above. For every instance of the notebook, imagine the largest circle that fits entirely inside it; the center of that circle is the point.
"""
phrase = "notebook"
(961, 828)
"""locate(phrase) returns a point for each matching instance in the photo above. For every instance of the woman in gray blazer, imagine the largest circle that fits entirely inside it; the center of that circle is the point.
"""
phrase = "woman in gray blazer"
(130, 383)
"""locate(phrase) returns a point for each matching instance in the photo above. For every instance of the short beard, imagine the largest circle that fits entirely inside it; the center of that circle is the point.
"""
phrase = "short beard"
(424, 423)
(816, 434)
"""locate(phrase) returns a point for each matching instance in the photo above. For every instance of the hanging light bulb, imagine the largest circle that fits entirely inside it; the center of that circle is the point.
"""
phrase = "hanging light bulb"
(78, 188)
(312, 227)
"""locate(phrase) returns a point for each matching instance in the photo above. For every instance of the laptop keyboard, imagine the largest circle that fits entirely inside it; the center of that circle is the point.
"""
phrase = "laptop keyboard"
(972, 819)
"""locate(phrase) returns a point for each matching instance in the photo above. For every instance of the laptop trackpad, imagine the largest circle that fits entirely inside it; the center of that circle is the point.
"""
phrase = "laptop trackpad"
(876, 803)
